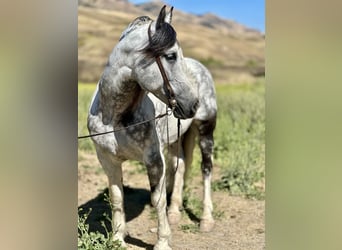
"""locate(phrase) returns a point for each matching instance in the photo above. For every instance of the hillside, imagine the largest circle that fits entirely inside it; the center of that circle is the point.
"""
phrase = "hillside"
(231, 51)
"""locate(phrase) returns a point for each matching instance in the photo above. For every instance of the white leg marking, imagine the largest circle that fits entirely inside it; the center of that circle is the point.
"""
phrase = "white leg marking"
(116, 194)
(174, 213)
(207, 221)
(113, 171)
(159, 202)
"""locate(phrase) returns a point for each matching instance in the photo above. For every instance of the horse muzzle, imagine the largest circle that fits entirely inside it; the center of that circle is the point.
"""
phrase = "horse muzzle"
(183, 112)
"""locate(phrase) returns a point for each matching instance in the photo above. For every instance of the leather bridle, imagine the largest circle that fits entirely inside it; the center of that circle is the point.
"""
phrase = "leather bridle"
(171, 94)
(171, 99)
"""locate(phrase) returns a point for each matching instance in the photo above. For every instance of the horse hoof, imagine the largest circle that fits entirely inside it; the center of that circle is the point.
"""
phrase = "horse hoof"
(174, 217)
(120, 239)
(207, 225)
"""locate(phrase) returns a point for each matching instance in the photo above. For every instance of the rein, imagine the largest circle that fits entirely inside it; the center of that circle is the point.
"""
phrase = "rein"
(122, 128)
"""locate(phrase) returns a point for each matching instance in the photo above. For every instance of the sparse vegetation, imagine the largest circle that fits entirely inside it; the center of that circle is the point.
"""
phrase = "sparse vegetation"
(239, 152)
(211, 62)
(140, 168)
(240, 139)
(251, 64)
(95, 240)
(189, 228)
(192, 204)
(85, 92)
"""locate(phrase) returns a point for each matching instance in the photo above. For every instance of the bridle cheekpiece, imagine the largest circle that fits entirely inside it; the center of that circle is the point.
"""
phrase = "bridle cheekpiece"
(171, 94)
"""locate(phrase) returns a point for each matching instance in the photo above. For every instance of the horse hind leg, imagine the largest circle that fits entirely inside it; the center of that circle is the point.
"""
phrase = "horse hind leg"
(206, 144)
(180, 173)
(113, 170)
(177, 169)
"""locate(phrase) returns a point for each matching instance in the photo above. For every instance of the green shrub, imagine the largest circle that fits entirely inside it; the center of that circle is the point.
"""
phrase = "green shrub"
(85, 93)
(239, 181)
(95, 240)
(211, 62)
(189, 228)
(240, 139)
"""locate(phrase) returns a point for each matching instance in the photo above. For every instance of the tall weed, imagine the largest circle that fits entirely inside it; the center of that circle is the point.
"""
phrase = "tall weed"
(88, 240)
(240, 139)
(85, 93)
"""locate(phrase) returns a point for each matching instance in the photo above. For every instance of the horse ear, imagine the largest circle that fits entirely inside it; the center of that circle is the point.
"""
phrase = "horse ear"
(161, 17)
(168, 17)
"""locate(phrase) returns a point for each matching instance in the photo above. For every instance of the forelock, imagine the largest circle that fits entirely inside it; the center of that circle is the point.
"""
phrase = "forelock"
(163, 38)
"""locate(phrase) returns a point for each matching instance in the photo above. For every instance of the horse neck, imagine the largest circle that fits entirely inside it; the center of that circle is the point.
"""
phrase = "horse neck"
(119, 94)
(128, 96)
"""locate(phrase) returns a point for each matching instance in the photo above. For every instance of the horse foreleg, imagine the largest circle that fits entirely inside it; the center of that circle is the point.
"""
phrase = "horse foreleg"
(113, 170)
(117, 201)
(155, 164)
(206, 143)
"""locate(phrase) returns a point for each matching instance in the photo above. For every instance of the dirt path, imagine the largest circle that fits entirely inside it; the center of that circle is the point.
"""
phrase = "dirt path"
(239, 223)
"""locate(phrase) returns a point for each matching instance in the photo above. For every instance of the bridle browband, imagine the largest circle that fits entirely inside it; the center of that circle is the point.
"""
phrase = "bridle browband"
(171, 94)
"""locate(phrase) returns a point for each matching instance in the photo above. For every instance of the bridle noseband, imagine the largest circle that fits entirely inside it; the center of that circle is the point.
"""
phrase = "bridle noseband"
(171, 94)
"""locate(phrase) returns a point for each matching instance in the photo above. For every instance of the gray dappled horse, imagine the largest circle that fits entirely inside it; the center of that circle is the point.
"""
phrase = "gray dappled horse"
(147, 73)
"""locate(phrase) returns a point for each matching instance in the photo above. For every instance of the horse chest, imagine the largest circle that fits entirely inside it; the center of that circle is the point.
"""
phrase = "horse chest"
(131, 142)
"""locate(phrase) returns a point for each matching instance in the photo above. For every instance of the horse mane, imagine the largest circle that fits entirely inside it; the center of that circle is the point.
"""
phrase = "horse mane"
(134, 25)
(163, 38)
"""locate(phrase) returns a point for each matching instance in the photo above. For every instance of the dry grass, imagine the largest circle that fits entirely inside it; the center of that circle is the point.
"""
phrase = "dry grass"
(99, 31)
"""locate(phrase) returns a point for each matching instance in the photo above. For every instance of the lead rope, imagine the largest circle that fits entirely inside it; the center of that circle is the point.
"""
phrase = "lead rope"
(122, 128)
(168, 148)
(168, 143)
(178, 142)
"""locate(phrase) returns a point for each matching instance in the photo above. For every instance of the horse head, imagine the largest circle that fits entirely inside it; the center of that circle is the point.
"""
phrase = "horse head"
(158, 64)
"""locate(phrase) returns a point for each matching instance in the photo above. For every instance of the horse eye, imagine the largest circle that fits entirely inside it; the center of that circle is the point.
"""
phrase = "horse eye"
(171, 57)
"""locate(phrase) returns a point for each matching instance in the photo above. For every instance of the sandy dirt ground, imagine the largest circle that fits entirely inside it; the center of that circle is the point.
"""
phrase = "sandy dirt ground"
(240, 222)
